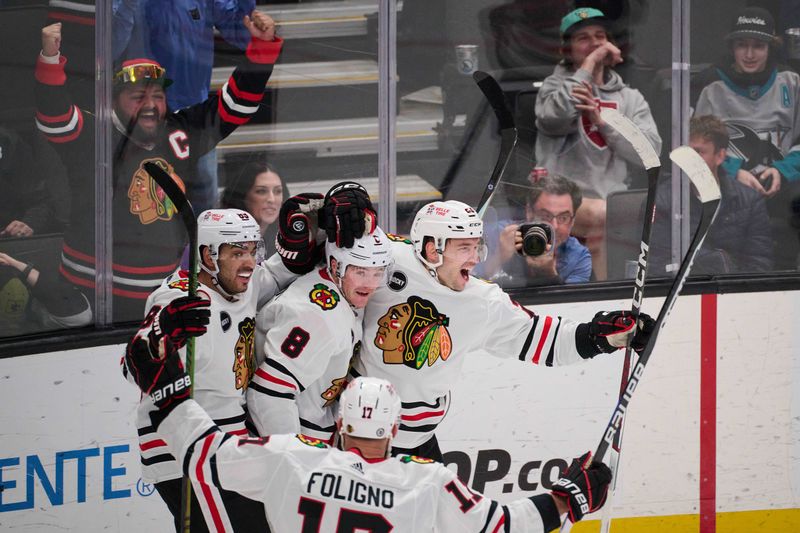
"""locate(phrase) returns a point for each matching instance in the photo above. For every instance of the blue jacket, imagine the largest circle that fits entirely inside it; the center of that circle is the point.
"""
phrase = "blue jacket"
(179, 34)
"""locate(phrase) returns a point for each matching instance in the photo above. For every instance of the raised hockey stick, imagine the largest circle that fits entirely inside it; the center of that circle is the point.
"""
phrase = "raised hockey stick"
(707, 189)
(508, 134)
(652, 164)
(184, 207)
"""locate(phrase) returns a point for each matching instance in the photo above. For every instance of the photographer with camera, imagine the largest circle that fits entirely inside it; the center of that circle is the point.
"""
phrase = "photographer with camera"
(541, 250)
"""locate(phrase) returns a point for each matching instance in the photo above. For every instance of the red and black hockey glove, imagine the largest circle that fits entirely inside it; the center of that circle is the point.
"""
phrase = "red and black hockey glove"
(182, 318)
(609, 331)
(584, 485)
(158, 374)
(296, 241)
(347, 214)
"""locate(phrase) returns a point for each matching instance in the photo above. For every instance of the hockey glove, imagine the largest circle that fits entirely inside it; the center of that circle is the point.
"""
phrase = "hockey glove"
(296, 240)
(182, 318)
(584, 485)
(158, 374)
(347, 214)
(609, 331)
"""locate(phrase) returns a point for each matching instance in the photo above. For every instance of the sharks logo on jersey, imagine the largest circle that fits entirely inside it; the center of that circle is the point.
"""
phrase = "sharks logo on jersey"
(757, 149)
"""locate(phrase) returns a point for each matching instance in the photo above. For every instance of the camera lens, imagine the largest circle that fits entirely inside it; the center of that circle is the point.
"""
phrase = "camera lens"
(534, 241)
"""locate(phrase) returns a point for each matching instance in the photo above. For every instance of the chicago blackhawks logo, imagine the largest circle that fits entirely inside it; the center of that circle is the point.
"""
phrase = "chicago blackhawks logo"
(324, 296)
(244, 361)
(398, 238)
(182, 283)
(412, 332)
(311, 441)
(148, 200)
(415, 459)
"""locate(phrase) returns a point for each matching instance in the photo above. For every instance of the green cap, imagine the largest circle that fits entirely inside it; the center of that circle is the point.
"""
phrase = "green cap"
(579, 15)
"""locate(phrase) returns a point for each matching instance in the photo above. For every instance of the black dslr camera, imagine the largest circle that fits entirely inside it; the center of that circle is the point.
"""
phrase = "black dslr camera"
(535, 237)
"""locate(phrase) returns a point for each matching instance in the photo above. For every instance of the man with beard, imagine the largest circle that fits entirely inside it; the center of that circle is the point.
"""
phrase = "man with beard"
(148, 236)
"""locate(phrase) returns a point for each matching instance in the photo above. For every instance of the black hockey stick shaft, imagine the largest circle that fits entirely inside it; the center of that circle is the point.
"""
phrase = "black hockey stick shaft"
(186, 212)
(508, 134)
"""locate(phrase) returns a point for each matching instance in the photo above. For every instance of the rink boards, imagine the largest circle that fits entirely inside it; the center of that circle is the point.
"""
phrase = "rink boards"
(712, 432)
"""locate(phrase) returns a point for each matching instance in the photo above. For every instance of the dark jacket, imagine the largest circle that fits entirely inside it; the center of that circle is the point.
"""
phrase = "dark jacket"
(739, 239)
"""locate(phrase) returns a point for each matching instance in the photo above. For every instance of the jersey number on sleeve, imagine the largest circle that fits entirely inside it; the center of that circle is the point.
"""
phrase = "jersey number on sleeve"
(295, 342)
(350, 521)
(466, 501)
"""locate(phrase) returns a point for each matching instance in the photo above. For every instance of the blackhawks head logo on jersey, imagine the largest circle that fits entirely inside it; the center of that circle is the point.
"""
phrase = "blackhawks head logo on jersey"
(148, 200)
(244, 361)
(413, 332)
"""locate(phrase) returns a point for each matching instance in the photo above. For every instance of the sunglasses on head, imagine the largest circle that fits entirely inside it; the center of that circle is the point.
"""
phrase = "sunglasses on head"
(138, 73)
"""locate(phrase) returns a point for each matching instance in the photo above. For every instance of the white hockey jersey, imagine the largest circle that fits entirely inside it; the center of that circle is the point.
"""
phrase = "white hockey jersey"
(307, 486)
(417, 333)
(224, 360)
(306, 337)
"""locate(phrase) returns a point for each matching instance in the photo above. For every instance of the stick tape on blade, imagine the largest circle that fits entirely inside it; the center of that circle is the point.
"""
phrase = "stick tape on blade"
(633, 134)
(698, 172)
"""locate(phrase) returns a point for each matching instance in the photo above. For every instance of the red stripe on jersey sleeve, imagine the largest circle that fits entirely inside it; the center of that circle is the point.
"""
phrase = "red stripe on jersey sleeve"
(227, 117)
(545, 330)
(243, 95)
(264, 52)
(263, 375)
(200, 476)
(51, 74)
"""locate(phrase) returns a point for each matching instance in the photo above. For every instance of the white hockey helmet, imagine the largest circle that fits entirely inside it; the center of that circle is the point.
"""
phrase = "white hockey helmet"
(445, 220)
(369, 408)
(216, 227)
(372, 250)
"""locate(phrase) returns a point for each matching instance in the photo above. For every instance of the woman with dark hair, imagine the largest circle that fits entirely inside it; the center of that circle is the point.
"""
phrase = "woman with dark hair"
(259, 190)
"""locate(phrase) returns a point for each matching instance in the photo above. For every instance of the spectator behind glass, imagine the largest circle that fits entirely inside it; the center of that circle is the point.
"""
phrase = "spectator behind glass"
(554, 200)
(179, 34)
(259, 190)
(739, 239)
(32, 187)
(758, 100)
(574, 140)
(147, 232)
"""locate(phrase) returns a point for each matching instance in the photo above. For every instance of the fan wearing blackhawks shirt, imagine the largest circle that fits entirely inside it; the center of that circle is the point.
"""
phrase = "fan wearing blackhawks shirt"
(304, 485)
(147, 232)
(432, 314)
(307, 335)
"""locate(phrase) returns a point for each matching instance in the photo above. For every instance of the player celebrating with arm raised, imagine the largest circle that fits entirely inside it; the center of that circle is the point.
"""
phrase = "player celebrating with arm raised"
(308, 335)
(232, 285)
(432, 314)
(306, 486)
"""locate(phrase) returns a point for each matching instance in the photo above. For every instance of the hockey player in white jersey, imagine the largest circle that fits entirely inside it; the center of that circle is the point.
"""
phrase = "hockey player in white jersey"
(307, 335)
(432, 314)
(305, 485)
(232, 285)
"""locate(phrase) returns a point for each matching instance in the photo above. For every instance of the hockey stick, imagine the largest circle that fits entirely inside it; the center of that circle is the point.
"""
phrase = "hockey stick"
(184, 207)
(707, 188)
(508, 134)
(652, 164)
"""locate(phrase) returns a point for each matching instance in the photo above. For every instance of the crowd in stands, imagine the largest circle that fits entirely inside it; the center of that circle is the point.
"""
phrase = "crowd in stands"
(745, 127)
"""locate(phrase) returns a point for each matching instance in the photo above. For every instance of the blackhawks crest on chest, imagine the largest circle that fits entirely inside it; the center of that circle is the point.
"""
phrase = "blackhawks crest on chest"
(413, 332)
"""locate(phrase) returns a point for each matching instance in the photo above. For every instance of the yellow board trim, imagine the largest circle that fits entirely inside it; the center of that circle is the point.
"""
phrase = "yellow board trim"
(765, 521)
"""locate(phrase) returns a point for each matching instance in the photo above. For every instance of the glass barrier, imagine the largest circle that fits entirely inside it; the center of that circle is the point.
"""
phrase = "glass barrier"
(557, 70)
(43, 192)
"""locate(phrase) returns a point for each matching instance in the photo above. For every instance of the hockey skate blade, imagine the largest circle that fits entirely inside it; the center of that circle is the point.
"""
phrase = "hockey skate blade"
(698, 172)
(625, 127)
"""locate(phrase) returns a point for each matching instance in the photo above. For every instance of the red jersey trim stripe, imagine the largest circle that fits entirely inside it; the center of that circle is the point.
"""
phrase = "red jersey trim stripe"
(201, 478)
(159, 269)
(243, 95)
(545, 330)
(263, 375)
(149, 445)
(421, 416)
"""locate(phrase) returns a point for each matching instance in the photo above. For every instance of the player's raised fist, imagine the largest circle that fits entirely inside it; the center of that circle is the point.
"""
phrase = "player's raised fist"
(610, 330)
(260, 25)
(296, 241)
(347, 214)
(51, 39)
(584, 485)
(182, 318)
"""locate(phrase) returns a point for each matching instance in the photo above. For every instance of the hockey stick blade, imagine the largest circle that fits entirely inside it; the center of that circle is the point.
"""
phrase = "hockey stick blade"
(184, 207)
(508, 133)
(625, 127)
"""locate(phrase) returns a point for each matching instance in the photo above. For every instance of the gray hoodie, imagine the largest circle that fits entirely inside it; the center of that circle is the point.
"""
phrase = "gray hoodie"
(599, 160)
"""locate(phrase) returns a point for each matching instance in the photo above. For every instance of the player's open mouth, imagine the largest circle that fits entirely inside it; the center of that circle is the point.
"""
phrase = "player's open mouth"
(465, 274)
(245, 275)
